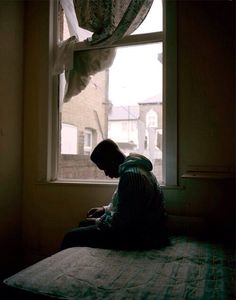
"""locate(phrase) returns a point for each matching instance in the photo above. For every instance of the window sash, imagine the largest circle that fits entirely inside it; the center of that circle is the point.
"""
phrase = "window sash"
(168, 37)
(131, 40)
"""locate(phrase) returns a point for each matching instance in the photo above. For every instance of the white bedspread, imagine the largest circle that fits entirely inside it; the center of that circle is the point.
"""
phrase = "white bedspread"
(187, 269)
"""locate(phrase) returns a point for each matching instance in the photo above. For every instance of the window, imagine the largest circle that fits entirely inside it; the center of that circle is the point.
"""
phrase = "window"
(151, 119)
(125, 102)
(88, 138)
(124, 125)
(69, 139)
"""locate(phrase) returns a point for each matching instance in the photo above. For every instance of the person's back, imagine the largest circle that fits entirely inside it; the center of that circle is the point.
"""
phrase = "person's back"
(135, 217)
(138, 209)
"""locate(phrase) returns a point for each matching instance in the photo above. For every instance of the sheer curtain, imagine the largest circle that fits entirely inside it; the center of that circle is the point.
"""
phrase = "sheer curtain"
(109, 21)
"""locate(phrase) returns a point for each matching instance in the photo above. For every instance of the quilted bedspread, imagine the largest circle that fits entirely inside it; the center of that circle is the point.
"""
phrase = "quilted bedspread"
(187, 269)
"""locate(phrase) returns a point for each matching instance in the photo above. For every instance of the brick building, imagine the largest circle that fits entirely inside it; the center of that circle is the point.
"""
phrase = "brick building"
(84, 123)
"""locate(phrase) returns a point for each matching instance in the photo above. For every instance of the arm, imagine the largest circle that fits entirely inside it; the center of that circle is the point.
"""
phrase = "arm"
(131, 194)
(96, 212)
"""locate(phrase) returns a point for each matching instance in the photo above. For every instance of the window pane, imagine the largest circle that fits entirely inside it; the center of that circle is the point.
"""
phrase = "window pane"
(68, 139)
(123, 103)
(153, 21)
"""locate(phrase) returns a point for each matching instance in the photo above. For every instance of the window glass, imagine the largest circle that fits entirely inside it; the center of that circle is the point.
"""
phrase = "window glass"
(68, 139)
(151, 119)
(88, 141)
(153, 21)
(123, 103)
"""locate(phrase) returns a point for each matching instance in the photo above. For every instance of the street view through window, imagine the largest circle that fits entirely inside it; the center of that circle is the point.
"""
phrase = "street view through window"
(123, 103)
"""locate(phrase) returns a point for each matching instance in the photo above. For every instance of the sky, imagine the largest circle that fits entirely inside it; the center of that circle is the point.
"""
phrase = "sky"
(136, 73)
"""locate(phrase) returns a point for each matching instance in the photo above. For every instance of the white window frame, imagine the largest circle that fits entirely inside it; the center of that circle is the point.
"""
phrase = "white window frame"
(168, 38)
(88, 133)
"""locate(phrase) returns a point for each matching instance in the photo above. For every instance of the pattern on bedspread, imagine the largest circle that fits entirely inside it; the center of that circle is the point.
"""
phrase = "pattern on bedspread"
(187, 269)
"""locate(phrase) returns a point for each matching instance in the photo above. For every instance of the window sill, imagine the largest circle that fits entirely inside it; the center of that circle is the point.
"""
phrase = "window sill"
(207, 175)
(68, 182)
(79, 182)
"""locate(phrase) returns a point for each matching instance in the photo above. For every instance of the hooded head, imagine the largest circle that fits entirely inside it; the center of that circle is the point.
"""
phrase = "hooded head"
(136, 160)
(108, 157)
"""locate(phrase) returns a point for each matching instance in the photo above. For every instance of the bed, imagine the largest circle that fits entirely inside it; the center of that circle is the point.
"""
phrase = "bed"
(187, 269)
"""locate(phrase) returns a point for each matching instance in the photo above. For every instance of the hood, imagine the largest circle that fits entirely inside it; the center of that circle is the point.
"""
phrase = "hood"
(136, 160)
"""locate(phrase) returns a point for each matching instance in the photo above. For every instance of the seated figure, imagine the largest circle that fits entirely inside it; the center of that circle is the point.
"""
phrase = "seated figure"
(136, 217)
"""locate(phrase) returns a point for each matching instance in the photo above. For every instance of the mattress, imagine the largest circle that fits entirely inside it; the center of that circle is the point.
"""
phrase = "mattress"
(187, 269)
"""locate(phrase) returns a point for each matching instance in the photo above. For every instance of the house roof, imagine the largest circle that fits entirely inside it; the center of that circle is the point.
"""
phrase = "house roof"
(155, 99)
(127, 145)
(124, 113)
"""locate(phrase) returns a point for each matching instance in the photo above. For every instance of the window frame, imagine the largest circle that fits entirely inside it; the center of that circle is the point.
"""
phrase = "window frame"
(168, 38)
(151, 118)
(89, 133)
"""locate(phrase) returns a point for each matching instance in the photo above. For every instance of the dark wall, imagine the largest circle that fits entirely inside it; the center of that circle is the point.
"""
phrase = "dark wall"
(206, 83)
(206, 113)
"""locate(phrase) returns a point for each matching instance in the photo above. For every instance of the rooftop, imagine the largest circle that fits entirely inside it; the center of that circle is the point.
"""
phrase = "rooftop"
(124, 113)
(155, 99)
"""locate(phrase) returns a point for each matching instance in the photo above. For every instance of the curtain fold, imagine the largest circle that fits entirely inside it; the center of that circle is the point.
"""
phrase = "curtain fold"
(109, 21)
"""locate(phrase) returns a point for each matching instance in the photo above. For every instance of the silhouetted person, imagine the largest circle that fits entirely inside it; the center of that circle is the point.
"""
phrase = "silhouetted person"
(135, 217)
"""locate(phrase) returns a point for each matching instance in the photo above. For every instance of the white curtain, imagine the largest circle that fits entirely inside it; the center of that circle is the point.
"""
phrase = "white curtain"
(109, 21)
